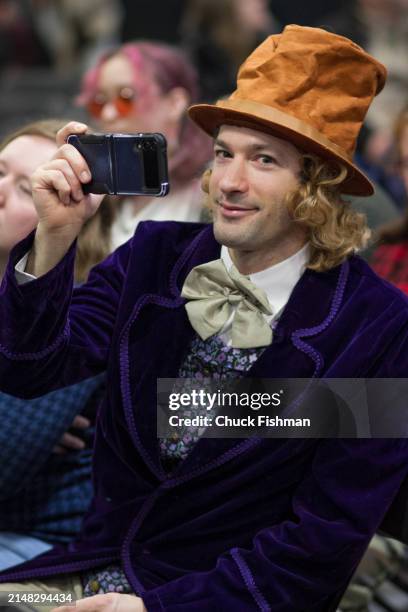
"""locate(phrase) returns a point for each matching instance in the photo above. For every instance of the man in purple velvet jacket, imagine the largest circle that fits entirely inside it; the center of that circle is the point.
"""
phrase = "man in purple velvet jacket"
(271, 289)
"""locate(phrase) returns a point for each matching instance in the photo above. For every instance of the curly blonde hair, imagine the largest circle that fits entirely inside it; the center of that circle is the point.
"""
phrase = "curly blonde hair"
(334, 229)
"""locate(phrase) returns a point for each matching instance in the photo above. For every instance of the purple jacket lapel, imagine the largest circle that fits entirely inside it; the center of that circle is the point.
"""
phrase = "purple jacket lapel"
(311, 307)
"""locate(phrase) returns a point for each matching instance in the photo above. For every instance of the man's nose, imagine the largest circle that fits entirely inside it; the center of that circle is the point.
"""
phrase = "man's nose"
(234, 177)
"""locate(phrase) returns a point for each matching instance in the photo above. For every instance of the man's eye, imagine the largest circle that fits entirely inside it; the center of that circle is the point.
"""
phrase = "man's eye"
(266, 160)
(221, 153)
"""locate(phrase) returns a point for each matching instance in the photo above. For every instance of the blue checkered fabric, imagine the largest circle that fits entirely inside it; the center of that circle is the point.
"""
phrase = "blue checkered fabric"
(43, 494)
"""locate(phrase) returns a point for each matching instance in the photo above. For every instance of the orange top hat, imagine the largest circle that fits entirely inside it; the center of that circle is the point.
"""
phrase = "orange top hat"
(308, 86)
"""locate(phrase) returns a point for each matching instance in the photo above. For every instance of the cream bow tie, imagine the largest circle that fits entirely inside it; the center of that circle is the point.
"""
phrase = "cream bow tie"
(213, 292)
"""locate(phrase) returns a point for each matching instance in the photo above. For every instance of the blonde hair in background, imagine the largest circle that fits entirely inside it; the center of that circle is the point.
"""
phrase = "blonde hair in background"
(46, 128)
(334, 229)
(94, 241)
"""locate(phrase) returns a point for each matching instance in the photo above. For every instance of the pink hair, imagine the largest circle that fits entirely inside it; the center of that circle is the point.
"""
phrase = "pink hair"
(168, 67)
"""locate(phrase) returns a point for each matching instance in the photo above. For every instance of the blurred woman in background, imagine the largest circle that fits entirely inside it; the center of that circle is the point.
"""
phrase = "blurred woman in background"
(45, 444)
(147, 87)
(390, 259)
(20, 154)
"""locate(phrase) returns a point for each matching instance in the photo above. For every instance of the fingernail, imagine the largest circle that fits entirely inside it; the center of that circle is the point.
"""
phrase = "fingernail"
(85, 176)
(79, 195)
(80, 126)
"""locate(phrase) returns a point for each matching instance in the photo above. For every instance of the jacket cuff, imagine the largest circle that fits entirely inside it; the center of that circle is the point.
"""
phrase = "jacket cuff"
(28, 308)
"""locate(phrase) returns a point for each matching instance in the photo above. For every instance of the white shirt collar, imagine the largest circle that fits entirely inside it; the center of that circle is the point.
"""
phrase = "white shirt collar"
(279, 280)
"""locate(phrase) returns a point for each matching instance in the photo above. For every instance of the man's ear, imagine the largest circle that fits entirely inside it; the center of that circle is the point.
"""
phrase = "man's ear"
(179, 100)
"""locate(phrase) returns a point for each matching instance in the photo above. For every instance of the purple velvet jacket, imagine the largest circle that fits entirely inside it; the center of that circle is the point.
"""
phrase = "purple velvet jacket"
(251, 524)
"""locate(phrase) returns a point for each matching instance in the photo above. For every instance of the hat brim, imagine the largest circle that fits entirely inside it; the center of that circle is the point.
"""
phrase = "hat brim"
(244, 113)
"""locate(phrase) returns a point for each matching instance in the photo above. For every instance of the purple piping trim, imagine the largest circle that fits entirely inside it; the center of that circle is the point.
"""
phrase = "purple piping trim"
(127, 563)
(182, 260)
(125, 373)
(125, 385)
(311, 331)
(318, 360)
(124, 345)
(249, 581)
(68, 568)
(39, 354)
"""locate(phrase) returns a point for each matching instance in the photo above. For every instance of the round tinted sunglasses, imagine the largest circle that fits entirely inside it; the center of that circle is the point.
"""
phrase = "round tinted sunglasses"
(122, 101)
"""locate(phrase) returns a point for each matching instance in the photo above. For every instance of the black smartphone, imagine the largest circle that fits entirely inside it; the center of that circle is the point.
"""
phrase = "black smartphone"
(124, 164)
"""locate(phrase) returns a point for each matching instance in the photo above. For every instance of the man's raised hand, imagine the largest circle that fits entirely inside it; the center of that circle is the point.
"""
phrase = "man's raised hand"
(61, 205)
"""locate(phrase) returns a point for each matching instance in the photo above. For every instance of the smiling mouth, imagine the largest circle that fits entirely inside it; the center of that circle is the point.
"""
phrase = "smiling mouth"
(236, 212)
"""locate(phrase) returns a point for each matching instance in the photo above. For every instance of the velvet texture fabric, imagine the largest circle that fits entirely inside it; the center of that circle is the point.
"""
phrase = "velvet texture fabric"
(246, 524)
(308, 86)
